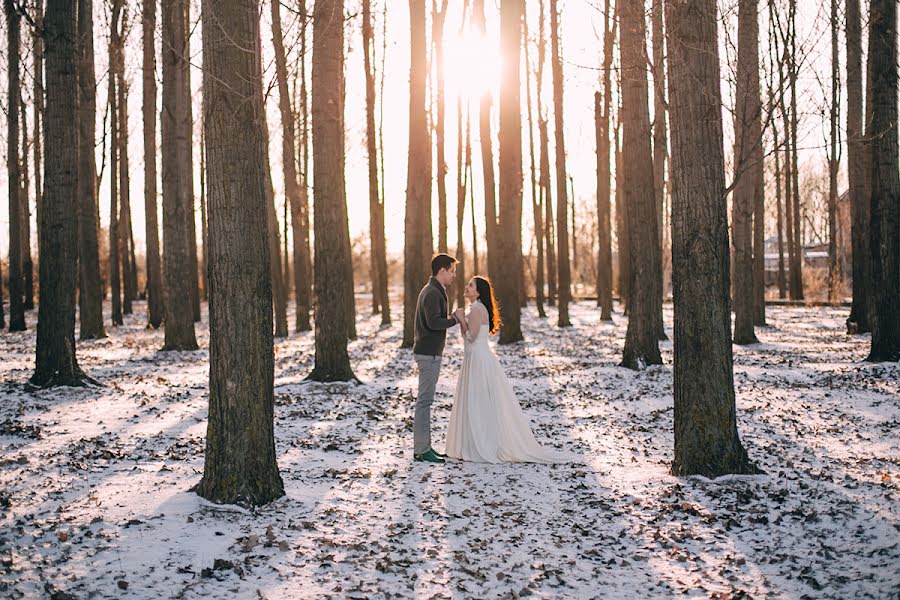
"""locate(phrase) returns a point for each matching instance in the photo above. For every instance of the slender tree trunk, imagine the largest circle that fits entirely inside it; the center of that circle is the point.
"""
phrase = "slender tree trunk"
(641, 338)
(187, 125)
(622, 230)
(794, 293)
(461, 185)
(564, 291)
(179, 317)
(491, 236)
(509, 228)
(782, 279)
(2, 312)
(747, 159)
(380, 301)
(56, 362)
(300, 203)
(437, 39)
(660, 145)
(860, 309)
(114, 146)
(884, 207)
(38, 136)
(129, 292)
(25, 216)
(795, 165)
(546, 197)
(834, 274)
(536, 195)
(90, 292)
(204, 227)
(16, 304)
(602, 104)
(417, 244)
(706, 436)
(155, 308)
(279, 303)
(240, 465)
(332, 287)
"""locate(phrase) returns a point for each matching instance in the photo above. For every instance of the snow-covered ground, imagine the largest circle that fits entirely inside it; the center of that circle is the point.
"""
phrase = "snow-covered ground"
(95, 500)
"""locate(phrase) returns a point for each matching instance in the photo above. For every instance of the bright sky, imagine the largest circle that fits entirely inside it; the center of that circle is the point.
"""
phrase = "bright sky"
(471, 64)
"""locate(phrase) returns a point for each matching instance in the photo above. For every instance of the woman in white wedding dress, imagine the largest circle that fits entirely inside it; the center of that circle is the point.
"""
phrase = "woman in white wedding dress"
(486, 422)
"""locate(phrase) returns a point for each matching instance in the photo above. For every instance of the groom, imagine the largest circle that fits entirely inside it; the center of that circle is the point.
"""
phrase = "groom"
(432, 324)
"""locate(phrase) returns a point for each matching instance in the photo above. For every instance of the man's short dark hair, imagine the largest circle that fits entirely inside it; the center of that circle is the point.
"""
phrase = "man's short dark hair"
(441, 261)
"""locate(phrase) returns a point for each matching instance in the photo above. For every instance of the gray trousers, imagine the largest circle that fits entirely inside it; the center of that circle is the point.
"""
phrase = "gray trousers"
(429, 370)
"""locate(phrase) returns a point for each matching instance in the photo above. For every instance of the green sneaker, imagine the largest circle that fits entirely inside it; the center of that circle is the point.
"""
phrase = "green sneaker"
(428, 456)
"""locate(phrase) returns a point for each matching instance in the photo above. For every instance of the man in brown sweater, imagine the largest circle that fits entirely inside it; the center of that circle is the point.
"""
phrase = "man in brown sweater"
(432, 324)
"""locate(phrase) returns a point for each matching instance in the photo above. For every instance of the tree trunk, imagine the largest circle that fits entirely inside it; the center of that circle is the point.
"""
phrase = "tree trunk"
(179, 317)
(25, 217)
(417, 241)
(240, 465)
(747, 162)
(272, 237)
(187, 125)
(437, 39)
(706, 436)
(660, 144)
(332, 361)
(461, 185)
(129, 292)
(602, 104)
(300, 203)
(16, 304)
(509, 228)
(90, 292)
(155, 308)
(782, 279)
(115, 230)
(546, 197)
(793, 290)
(884, 206)
(642, 336)
(622, 231)
(380, 300)
(536, 196)
(795, 165)
(56, 362)
(834, 274)
(38, 136)
(860, 309)
(491, 236)
(204, 229)
(564, 291)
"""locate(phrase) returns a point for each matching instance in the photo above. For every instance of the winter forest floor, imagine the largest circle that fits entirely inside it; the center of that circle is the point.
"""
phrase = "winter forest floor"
(95, 500)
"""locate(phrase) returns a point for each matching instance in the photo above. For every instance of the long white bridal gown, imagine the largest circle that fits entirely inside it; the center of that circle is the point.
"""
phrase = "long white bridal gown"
(486, 422)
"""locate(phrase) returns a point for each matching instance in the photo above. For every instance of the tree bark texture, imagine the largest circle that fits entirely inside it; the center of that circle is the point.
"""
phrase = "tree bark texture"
(155, 308)
(16, 297)
(564, 285)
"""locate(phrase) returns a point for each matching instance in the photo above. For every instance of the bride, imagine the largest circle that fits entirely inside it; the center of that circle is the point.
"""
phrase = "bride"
(486, 422)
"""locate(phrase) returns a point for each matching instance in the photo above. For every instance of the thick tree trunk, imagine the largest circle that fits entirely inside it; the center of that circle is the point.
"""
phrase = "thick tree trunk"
(564, 291)
(90, 292)
(155, 308)
(56, 363)
(509, 242)
(332, 287)
(240, 465)
(747, 162)
(706, 436)
(417, 242)
(115, 230)
(884, 206)
(860, 309)
(641, 338)
(16, 304)
(179, 315)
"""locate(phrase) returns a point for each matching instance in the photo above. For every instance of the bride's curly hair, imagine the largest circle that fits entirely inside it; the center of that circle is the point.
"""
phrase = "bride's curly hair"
(486, 296)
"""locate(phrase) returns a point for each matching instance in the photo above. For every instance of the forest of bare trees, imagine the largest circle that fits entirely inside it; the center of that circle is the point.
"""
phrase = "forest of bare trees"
(710, 123)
